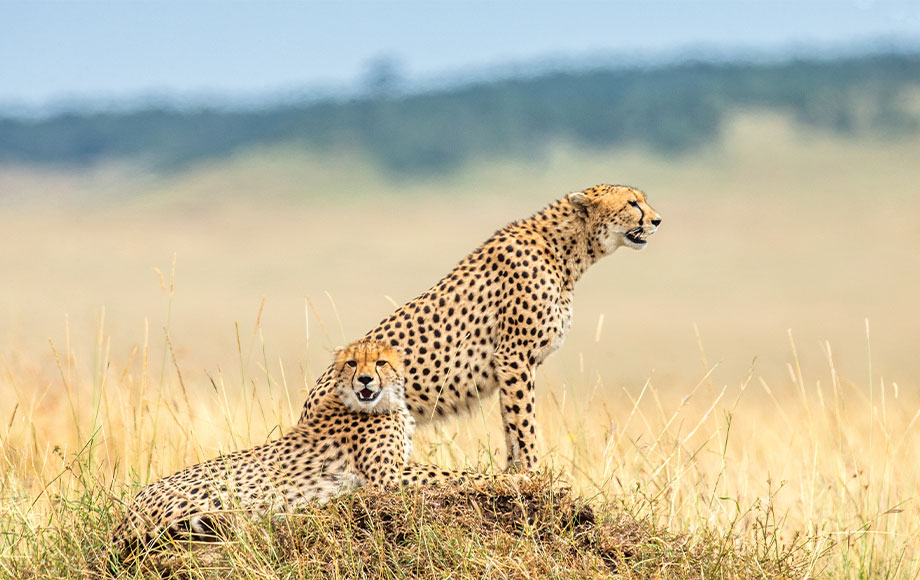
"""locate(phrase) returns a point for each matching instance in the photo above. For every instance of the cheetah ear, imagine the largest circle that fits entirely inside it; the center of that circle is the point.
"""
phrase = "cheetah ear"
(580, 201)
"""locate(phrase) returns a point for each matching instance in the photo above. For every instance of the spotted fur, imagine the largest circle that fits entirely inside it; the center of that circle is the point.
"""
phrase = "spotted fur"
(360, 433)
(487, 325)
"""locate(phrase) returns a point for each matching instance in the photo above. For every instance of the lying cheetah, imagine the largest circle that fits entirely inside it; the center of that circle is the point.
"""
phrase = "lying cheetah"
(360, 433)
(488, 324)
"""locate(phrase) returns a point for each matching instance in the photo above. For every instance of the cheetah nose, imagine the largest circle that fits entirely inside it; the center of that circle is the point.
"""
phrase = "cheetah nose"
(656, 221)
(365, 379)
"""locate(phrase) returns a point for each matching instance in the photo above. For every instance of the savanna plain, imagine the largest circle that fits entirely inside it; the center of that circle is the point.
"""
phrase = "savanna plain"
(738, 400)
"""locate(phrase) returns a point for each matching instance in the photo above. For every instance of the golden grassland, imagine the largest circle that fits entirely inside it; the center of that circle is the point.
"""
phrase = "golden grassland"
(751, 376)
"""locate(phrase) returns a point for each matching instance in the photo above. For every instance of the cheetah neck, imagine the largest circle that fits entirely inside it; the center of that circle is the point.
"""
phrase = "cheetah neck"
(563, 230)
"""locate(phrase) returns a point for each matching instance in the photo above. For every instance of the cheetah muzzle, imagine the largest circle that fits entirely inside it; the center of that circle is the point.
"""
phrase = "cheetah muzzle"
(366, 395)
(637, 236)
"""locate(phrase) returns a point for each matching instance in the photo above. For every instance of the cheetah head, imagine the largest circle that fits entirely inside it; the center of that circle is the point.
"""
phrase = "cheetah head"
(616, 215)
(369, 376)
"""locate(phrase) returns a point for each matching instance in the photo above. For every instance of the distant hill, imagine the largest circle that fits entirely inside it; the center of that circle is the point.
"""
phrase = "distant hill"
(670, 108)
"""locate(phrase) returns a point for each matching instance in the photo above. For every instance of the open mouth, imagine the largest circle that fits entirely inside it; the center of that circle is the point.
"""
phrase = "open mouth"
(635, 236)
(366, 395)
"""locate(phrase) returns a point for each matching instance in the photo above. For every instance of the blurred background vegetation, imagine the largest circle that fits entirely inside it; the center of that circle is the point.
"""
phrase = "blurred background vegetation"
(264, 201)
(669, 108)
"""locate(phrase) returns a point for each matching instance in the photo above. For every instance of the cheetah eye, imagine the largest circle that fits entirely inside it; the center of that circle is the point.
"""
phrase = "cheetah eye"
(380, 363)
(351, 363)
(634, 203)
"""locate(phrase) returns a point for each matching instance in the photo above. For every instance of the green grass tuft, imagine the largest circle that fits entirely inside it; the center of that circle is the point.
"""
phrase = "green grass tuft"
(541, 530)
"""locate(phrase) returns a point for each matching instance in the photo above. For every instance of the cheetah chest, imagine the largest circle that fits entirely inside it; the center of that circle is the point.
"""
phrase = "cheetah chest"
(559, 324)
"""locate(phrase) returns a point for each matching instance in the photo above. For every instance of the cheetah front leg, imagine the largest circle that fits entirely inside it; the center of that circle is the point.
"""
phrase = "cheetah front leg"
(390, 475)
(383, 467)
(417, 475)
(515, 378)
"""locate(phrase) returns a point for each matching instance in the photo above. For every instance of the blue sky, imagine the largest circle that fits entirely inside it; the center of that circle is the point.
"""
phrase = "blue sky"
(50, 51)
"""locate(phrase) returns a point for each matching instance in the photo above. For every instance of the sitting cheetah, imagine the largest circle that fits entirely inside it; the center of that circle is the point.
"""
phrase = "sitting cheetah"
(488, 324)
(361, 433)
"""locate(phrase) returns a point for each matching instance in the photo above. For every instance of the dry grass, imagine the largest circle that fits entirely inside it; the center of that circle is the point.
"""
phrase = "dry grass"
(539, 530)
(680, 405)
(804, 479)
